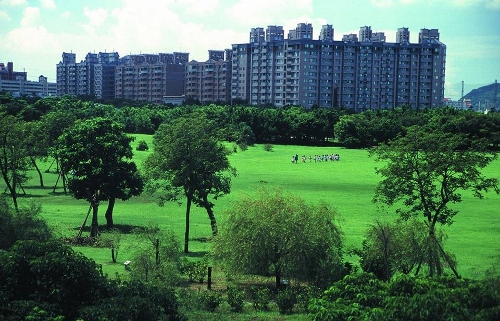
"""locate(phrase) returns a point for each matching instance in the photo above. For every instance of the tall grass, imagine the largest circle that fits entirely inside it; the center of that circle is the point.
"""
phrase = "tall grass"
(347, 185)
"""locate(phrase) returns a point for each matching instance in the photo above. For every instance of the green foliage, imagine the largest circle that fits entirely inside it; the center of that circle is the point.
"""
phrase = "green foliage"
(188, 160)
(13, 154)
(235, 298)
(268, 147)
(279, 234)
(261, 297)
(157, 257)
(407, 298)
(97, 153)
(389, 248)
(142, 145)
(211, 300)
(286, 300)
(425, 172)
(112, 240)
(50, 272)
(23, 224)
(136, 301)
(195, 270)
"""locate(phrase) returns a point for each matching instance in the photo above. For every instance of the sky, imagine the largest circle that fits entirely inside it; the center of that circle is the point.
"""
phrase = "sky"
(35, 33)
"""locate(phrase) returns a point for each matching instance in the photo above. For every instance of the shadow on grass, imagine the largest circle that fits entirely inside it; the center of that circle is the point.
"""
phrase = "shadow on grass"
(199, 254)
(122, 228)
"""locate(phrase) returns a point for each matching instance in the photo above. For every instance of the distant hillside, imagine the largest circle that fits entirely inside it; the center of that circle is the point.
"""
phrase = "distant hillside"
(485, 95)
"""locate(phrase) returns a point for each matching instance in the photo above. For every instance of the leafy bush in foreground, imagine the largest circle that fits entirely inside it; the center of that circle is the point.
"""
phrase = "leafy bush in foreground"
(364, 297)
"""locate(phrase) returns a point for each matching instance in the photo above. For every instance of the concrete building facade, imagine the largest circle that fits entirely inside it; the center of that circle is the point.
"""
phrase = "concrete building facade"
(22, 87)
(149, 78)
(210, 81)
(8, 73)
(93, 76)
(368, 73)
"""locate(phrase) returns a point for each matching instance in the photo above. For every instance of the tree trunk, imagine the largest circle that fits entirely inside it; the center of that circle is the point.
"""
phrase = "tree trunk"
(434, 255)
(157, 251)
(12, 189)
(40, 177)
(186, 233)
(94, 227)
(211, 216)
(109, 212)
(278, 278)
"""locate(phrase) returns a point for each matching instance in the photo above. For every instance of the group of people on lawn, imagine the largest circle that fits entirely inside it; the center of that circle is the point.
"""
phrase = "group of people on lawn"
(316, 158)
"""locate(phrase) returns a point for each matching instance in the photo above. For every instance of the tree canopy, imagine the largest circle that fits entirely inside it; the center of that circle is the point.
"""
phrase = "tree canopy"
(96, 154)
(425, 172)
(278, 234)
(188, 160)
(13, 154)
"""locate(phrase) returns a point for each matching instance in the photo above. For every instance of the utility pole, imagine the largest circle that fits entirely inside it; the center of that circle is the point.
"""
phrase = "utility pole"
(495, 98)
(462, 97)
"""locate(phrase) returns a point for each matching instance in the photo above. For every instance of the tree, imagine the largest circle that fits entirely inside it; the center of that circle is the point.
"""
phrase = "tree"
(96, 154)
(280, 235)
(393, 247)
(425, 172)
(23, 224)
(13, 154)
(188, 160)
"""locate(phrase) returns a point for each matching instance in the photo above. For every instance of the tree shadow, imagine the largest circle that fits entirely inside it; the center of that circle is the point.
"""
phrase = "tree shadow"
(122, 228)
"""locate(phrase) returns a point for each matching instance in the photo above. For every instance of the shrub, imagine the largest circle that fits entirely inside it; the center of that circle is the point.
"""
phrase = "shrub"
(235, 299)
(195, 270)
(142, 145)
(260, 298)
(286, 300)
(304, 295)
(211, 300)
(268, 147)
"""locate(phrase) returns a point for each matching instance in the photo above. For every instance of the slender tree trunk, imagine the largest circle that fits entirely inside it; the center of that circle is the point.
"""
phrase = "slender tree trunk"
(278, 278)
(109, 212)
(94, 227)
(11, 189)
(211, 216)
(186, 232)
(40, 176)
(157, 251)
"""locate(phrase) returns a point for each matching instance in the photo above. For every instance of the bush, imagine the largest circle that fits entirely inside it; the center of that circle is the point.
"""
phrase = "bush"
(235, 299)
(189, 300)
(268, 147)
(304, 295)
(286, 300)
(136, 300)
(195, 270)
(211, 300)
(261, 298)
(142, 145)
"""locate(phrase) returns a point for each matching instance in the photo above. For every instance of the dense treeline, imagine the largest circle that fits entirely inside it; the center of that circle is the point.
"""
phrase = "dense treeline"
(250, 124)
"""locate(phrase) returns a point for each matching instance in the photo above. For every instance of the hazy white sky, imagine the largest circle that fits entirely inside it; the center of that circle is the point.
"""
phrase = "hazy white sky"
(34, 33)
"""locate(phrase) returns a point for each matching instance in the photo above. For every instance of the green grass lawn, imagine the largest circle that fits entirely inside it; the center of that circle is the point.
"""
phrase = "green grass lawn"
(348, 185)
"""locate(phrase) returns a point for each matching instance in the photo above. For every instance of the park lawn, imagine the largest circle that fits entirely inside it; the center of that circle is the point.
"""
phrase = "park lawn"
(347, 185)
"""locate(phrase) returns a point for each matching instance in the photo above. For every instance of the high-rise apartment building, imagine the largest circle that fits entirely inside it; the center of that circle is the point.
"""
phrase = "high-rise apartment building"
(368, 73)
(143, 77)
(93, 76)
(148, 77)
(210, 81)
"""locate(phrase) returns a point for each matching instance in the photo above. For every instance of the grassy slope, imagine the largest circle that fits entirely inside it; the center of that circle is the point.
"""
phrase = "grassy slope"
(347, 185)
